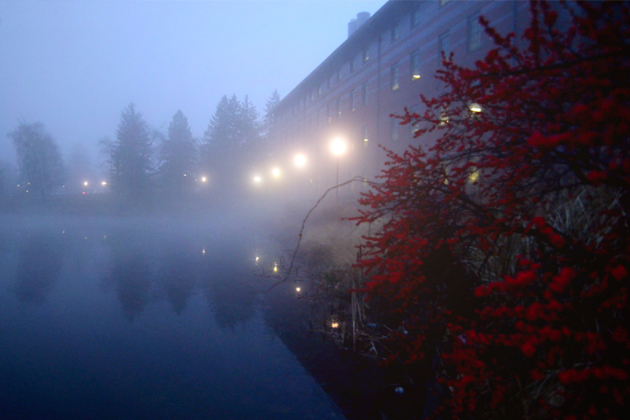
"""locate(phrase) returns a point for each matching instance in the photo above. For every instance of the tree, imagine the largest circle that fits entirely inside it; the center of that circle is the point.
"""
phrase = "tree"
(131, 156)
(232, 130)
(40, 164)
(270, 114)
(504, 249)
(178, 154)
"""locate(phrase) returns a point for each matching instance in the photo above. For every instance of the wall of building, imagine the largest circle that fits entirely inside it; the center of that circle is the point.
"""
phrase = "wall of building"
(382, 67)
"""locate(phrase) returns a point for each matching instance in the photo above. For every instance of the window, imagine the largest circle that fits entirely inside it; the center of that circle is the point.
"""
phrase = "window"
(338, 106)
(395, 32)
(395, 77)
(352, 105)
(415, 18)
(414, 64)
(366, 55)
(338, 74)
(364, 135)
(444, 44)
(364, 93)
(329, 113)
(474, 33)
(413, 127)
(320, 89)
(393, 129)
(352, 65)
(329, 82)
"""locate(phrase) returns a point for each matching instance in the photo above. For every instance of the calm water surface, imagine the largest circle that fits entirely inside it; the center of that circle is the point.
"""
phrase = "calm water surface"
(141, 319)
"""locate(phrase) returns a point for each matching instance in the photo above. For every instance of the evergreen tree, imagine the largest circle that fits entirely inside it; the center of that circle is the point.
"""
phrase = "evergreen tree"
(131, 156)
(39, 160)
(178, 156)
(233, 130)
(270, 114)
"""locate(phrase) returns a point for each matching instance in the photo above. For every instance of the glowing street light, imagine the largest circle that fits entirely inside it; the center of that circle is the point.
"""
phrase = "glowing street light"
(475, 107)
(204, 179)
(85, 183)
(257, 179)
(299, 160)
(275, 172)
(104, 183)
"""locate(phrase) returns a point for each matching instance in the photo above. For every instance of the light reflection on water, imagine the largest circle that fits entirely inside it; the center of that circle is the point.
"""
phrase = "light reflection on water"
(109, 319)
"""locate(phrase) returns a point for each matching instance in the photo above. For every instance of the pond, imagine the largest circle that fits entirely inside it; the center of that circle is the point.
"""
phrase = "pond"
(122, 318)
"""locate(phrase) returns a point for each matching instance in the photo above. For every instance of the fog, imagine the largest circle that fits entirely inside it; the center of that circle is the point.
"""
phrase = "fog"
(74, 65)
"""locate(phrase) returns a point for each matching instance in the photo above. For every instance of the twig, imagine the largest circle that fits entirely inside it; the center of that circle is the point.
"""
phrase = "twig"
(297, 246)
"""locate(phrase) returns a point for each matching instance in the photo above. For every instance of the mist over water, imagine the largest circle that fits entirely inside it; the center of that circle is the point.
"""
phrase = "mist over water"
(152, 318)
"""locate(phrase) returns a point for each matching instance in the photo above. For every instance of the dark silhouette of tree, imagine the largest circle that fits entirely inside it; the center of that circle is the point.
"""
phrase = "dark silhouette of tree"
(40, 164)
(178, 155)
(233, 129)
(131, 156)
(504, 246)
(269, 118)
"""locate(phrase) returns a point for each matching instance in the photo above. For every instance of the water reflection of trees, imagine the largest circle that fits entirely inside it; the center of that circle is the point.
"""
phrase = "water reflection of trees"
(131, 275)
(179, 272)
(39, 262)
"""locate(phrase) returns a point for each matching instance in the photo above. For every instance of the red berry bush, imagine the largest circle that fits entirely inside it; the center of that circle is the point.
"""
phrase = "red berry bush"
(503, 248)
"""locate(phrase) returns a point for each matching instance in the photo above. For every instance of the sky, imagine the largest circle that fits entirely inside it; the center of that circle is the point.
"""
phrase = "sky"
(74, 65)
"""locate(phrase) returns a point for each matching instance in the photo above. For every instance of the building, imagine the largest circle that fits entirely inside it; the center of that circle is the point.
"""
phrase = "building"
(388, 60)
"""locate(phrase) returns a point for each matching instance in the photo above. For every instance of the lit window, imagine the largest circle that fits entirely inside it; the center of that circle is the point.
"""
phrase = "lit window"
(414, 64)
(413, 126)
(474, 33)
(393, 126)
(364, 93)
(366, 55)
(395, 77)
(352, 104)
(364, 135)
(395, 32)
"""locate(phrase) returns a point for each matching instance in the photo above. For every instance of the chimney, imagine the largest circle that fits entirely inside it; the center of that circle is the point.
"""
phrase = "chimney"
(354, 24)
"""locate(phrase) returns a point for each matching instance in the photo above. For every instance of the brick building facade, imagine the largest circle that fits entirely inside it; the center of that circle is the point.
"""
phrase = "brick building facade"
(388, 60)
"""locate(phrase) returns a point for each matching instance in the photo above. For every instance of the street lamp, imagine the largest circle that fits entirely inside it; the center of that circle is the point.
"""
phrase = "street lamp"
(275, 172)
(338, 148)
(299, 160)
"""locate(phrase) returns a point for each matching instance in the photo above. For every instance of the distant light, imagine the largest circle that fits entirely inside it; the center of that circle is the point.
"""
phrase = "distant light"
(275, 172)
(275, 268)
(300, 160)
(416, 76)
(298, 289)
(473, 177)
(365, 140)
(185, 175)
(257, 179)
(63, 231)
(203, 251)
(27, 191)
(63, 186)
(104, 236)
(203, 179)
(83, 192)
(338, 147)
(257, 259)
(86, 238)
(104, 183)
(475, 107)
(85, 183)
(28, 183)
(334, 324)
(18, 185)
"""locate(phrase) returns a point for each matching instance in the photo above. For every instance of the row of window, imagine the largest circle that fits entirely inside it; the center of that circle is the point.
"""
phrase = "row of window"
(474, 31)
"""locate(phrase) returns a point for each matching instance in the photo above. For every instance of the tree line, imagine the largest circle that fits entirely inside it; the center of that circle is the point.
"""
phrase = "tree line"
(144, 162)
